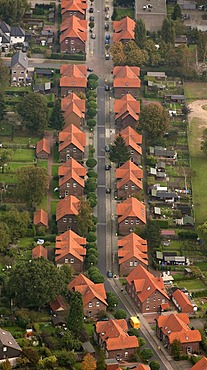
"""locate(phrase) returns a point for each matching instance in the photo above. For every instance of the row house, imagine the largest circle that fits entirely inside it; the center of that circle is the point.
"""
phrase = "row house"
(72, 142)
(73, 35)
(66, 214)
(131, 214)
(123, 30)
(126, 81)
(74, 110)
(93, 295)
(133, 141)
(129, 180)
(132, 251)
(73, 7)
(112, 336)
(127, 110)
(71, 178)
(176, 326)
(74, 79)
(200, 365)
(43, 149)
(70, 249)
(146, 290)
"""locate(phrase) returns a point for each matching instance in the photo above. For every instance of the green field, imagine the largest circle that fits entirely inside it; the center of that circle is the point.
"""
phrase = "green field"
(195, 90)
(125, 12)
(194, 284)
(24, 155)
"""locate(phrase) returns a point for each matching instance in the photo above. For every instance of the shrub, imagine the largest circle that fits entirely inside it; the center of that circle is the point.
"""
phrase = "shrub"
(120, 314)
(146, 354)
(93, 76)
(92, 173)
(91, 237)
(91, 163)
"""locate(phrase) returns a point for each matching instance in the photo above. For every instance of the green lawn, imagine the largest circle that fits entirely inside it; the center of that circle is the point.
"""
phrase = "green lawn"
(43, 204)
(55, 170)
(125, 12)
(24, 155)
(56, 154)
(202, 265)
(195, 90)
(53, 207)
(8, 178)
(20, 140)
(42, 163)
(191, 285)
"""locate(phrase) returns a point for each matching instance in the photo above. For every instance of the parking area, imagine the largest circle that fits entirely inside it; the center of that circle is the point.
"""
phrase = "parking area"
(196, 19)
(152, 12)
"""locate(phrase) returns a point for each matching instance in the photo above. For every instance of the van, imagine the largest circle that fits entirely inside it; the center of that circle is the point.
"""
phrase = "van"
(134, 322)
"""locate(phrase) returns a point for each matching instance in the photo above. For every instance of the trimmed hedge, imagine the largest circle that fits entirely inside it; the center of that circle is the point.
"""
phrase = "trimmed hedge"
(64, 56)
(188, 234)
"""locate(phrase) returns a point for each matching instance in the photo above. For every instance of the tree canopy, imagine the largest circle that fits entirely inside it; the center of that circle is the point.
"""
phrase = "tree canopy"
(76, 315)
(17, 223)
(168, 31)
(12, 11)
(140, 33)
(154, 119)
(32, 184)
(2, 106)
(33, 112)
(35, 283)
(5, 157)
(89, 362)
(119, 152)
(84, 217)
(57, 120)
(177, 13)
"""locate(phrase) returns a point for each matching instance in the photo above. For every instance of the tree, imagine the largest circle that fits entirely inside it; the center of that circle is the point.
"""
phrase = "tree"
(101, 363)
(17, 223)
(91, 104)
(91, 163)
(47, 362)
(176, 349)
(114, 15)
(91, 113)
(154, 365)
(152, 233)
(91, 184)
(6, 365)
(2, 106)
(177, 13)
(146, 354)
(5, 157)
(84, 217)
(76, 314)
(140, 33)
(89, 362)
(5, 236)
(32, 184)
(154, 57)
(66, 358)
(91, 123)
(120, 314)
(112, 300)
(133, 331)
(93, 76)
(95, 275)
(12, 11)
(92, 84)
(93, 202)
(119, 152)
(92, 174)
(154, 119)
(202, 232)
(4, 70)
(141, 341)
(57, 120)
(31, 355)
(204, 142)
(33, 112)
(118, 54)
(134, 55)
(168, 31)
(35, 283)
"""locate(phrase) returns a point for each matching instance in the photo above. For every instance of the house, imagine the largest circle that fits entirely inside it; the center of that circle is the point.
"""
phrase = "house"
(131, 214)
(70, 249)
(181, 40)
(129, 180)
(186, 221)
(39, 251)
(72, 142)
(9, 348)
(127, 110)
(112, 336)
(163, 154)
(43, 149)
(176, 326)
(40, 218)
(73, 35)
(10, 36)
(200, 365)
(73, 7)
(93, 295)
(142, 367)
(123, 30)
(132, 250)
(42, 88)
(146, 290)
(66, 212)
(73, 78)
(133, 140)
(74, 110)
(183, 303)
(71, 181)
(126, 81)
(59, 304)
(19, 68)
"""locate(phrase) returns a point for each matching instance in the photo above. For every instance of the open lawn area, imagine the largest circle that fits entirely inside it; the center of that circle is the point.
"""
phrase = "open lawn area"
(125, 12)
(195, 90)
(53, 207)
(24, 155)
(198, 165)
(191, 284)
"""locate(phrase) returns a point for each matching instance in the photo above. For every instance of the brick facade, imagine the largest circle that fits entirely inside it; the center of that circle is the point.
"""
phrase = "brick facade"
(68, 222)
(71, 151)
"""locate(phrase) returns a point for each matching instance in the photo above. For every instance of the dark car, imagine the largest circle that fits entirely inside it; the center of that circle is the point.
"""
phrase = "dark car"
(89, 69)
(106, 26)
(107, 167)
(109, 274)
(91, 19)
(108, 37)
(107, 88)
(107, 148)
(90, 10)
(107, 42)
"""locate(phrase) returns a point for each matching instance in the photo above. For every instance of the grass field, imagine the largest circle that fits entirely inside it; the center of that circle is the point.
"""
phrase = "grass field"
(191, 285)
(195, 90)
(53, 207)
(24, 155)
(198, 165)
(125, 12)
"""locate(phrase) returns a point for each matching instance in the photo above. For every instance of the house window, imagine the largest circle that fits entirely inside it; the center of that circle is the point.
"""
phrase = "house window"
(126, 187)
(71, 13)
(148, 300)
(72, 42)
(72, 260)
(64, 219)
(147, 308)
(66, 193)
(133, 187)
(4, 349)
(158, 299)
(70, 219)
(137, 222)
(66, 41)
(132, 222)
(67, 157)
(68, 184)
(126, 354)
(14, 72)
(68, 150)
(74, 184)
(66, 260)
(126, 222)
(188, 349)
(22, 72)
(163, 300)
(90, 304)
(154, 299)
(135, 263)
(132, 152)
(97, 304)
(74, 150)
(131, 263)
(154, 307)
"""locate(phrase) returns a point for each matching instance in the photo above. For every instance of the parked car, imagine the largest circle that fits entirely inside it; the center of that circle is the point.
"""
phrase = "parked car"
(107, 56)
(107, 88)
(91, 19)
(89, 69)
(107, 148)
(108, 37)
(93, 36)
(108, 191)
(90, 10)
(107, 42)
(109, 274)
(107, 167)
(106, 26)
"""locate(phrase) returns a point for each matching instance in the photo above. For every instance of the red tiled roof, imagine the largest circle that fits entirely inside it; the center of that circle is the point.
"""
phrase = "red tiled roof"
(72, 174)
(200, 365)
(131, 207)
(39, 251)
(73, 75)
(70, 243)
(132, 246)
(127, 105)
(41, 216)
(67, 206)
(183, 301)
(132, 139)
(167, 232)
(73, 104)
(129, 172)
(125, 76)
(73, 5)
(175, 326)
(142, 367)
(114, 334)
(73, 27)
(43, 145)
(145, 283)
(72, 135)
(88, 289)
(123, 29)
(72, 163)
(58, 304)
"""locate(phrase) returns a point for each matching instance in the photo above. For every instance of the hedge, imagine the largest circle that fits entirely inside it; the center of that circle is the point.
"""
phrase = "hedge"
(47, 238)
(16, 92)
(163, 224)
(188, 234)
(64, 56)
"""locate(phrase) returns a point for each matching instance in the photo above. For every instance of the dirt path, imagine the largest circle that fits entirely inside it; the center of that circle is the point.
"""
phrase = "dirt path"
(198, 111)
